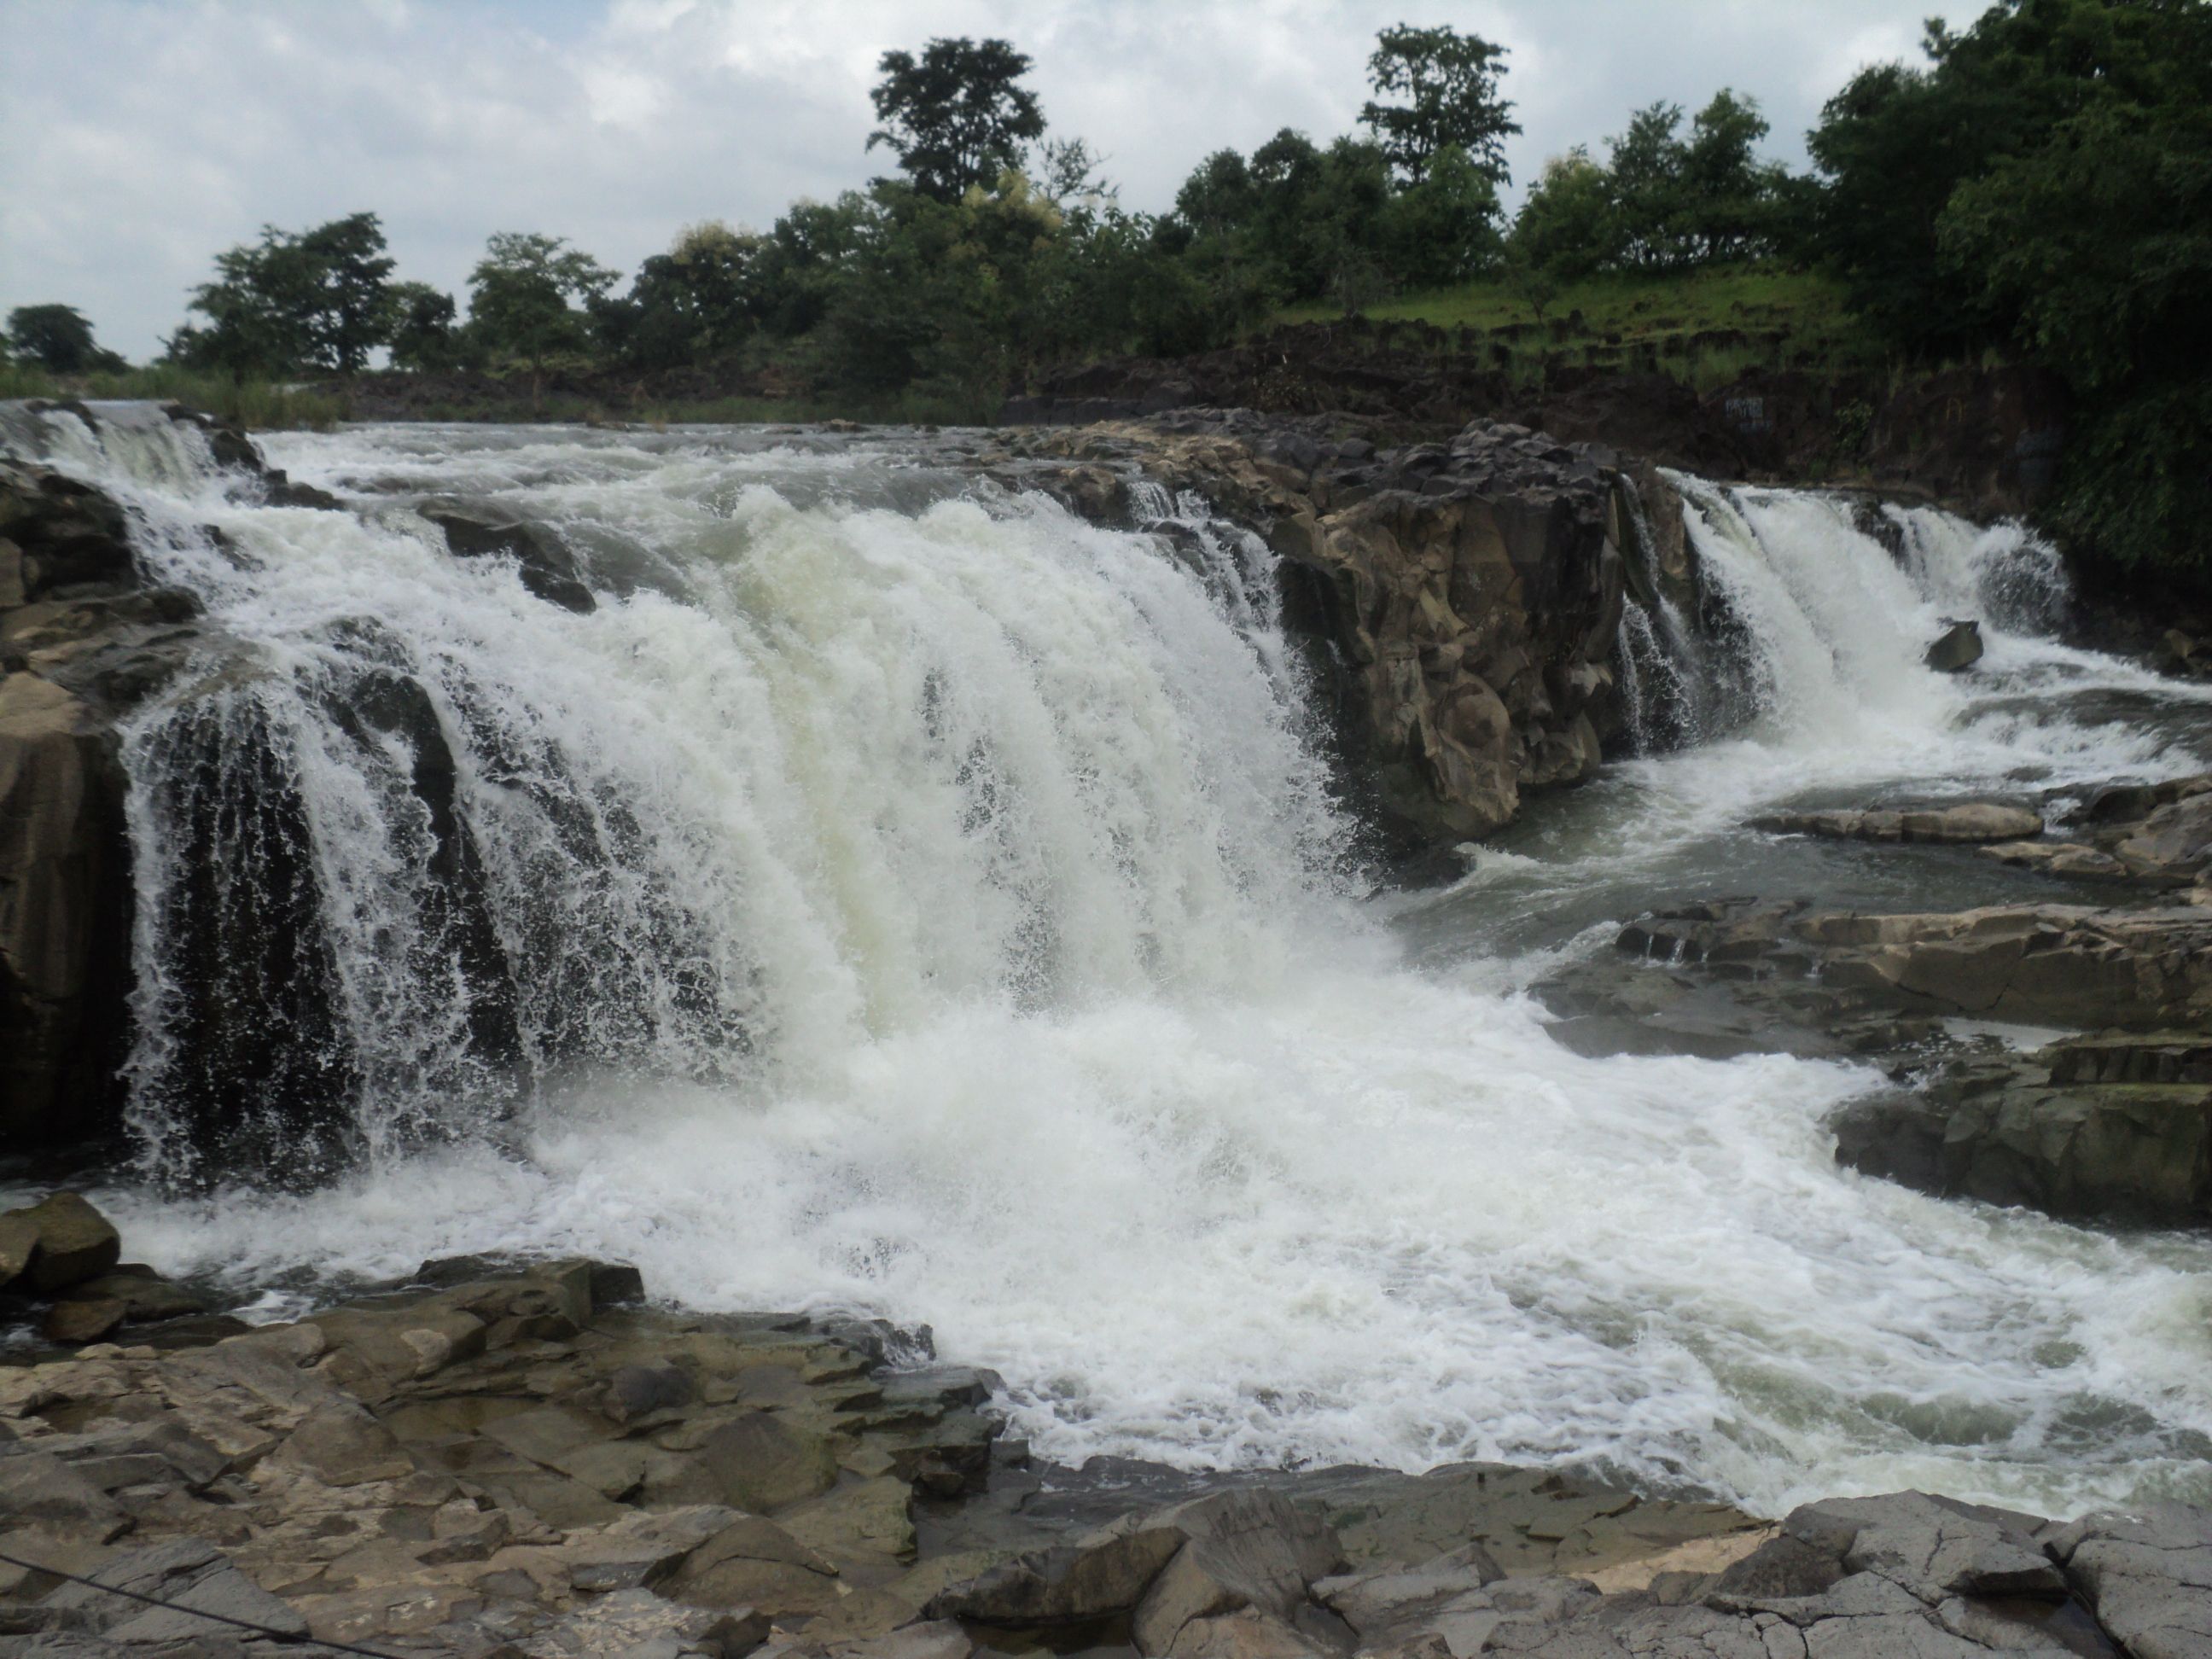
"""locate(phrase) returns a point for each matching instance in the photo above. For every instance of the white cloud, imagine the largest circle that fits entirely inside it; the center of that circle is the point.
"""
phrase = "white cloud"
(140, 138)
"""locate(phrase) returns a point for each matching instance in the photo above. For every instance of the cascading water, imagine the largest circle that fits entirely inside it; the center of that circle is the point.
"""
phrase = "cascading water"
(901, 895)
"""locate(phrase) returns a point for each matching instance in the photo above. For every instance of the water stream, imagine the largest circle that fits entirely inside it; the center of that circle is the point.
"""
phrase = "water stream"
(899, 894)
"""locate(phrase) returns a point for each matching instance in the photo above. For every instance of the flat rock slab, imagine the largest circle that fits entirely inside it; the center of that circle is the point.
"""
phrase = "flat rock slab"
(1973, 822)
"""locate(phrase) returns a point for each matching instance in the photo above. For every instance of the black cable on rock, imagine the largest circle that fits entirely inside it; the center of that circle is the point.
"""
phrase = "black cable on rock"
(285, 1637)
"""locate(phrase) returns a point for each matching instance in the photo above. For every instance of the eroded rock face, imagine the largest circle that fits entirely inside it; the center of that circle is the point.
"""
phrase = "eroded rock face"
(2112, 1123)
(1465, 596)
(80, 639)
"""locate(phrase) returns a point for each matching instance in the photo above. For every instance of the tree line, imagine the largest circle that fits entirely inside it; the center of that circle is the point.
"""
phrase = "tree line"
(2041, 185)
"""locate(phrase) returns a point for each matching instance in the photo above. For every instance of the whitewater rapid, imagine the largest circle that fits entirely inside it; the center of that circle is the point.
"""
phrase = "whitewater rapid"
(968, 935)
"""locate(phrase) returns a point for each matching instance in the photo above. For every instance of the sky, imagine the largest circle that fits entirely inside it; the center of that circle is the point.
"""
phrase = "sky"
(138, 137)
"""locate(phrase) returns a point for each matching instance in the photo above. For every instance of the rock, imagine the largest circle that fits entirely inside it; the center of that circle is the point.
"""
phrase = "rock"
(764, 1464)
(342, 1445)
(78, 1322)
(75, 1242)
(2147, 1575)
(1975, 822)
(636, 1391)
(145, 1295)
(1461, 600)
(2069, 859)
(1959, 646)
(546, 568)
(2013, 1134)
(1072, 1584)
(2174, 841)
(38, 1489)
(19, 1239)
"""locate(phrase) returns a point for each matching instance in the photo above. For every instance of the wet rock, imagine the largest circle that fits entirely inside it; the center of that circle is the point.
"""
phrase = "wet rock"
(1974, 822)
(1072, 1584)
(2147, 1575)
(38, 1489)
(1959, 646)
(546, 568)
(1461, 600)
(78, 1322)
(75, 1242)
(2034, 1131)
(764, 1464)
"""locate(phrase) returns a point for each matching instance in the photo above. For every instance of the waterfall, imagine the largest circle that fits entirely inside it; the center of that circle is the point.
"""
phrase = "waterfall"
(894, 893)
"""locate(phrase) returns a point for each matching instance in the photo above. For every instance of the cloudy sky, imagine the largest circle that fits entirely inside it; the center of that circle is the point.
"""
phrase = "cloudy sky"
(139, 137)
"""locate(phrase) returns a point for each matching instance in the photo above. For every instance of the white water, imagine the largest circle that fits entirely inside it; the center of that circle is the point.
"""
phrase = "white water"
(961, 939)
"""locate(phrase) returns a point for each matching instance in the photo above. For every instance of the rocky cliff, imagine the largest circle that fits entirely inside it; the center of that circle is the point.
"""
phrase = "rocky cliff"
(1463, 597)
(1985, 443)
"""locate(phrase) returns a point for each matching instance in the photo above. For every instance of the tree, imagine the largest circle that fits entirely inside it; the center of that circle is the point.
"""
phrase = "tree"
(57, 338)
(1643, 168)
(696, 302)
(423, 335)
(2096, 244)
(1444, 229)
(1449, 81)
(257, 309)
(306, 299)
(350, 314)
(957, 118)
(1568, 228)
(520, 295)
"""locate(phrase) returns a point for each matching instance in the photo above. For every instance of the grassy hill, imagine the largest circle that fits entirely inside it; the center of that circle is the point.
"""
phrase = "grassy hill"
(1703, 327)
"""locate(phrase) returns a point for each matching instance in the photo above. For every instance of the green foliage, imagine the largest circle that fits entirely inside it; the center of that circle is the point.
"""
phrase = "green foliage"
(1567, 229)
(259, 405)
(2046, 183)
(1679, 202)
(1449, 81)
(318, 298)
(520, 294)
(57, 338)
(957, 117)
(425, 334)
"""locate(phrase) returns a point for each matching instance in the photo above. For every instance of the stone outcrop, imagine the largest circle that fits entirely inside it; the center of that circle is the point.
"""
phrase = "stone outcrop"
(80, 639)
(522, 1458)
(1974, 822)
(1464, 597)
(1957, 648)
(2111, 1124)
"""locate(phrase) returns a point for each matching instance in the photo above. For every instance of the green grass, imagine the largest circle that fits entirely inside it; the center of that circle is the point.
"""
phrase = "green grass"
(1767, 319)
(258, 404)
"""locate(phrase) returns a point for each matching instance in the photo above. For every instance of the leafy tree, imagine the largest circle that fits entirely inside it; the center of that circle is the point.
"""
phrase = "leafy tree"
(350, 312)
(424, 336)
(520, 294)
(1444, 229)
(1645, 168)
(1568, 228)
(317, 299)
(1728, 193)
(257, 310)
(697, 301)
(1448, 84)
(1069, 177)
(59, 339)
(2096, 244)
(957, 117)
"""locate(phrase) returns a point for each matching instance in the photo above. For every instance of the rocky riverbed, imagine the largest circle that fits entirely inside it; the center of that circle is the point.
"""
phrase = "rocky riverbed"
(510, 1458)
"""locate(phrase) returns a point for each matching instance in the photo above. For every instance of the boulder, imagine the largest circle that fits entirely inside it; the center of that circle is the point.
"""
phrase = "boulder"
(78, 1322)
(546, 568)
(75, 1242)
(2148, 1574)
(1959, 646)
(764, 1463)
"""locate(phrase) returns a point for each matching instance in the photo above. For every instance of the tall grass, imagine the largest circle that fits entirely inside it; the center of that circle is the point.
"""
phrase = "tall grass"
(1787, 319)
(259, 405)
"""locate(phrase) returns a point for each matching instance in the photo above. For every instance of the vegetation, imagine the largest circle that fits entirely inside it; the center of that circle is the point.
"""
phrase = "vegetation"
(256, 404)
(2040, 188)
(56, 338)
